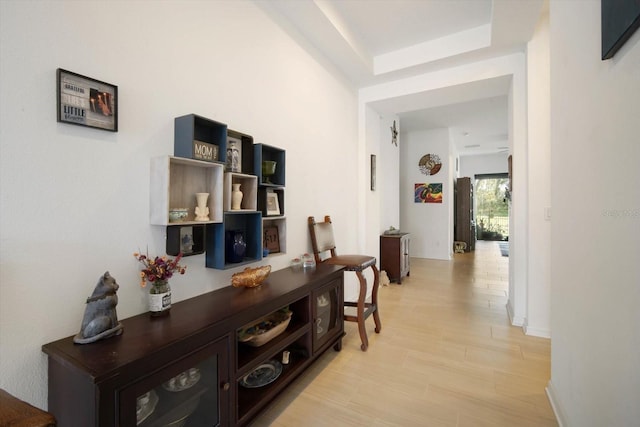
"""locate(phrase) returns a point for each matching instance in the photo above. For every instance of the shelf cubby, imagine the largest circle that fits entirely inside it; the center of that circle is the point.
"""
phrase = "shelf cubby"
(262, 200)
(248, 186)
(185, 239)
(192, 127)
(174, 183)
(281, 223)
(247, 222)
(246, 150)
(263, 152)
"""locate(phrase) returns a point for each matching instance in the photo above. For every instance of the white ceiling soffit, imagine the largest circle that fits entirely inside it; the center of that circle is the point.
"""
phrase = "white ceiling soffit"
(475, 113)
(488, 88)
(372, 41)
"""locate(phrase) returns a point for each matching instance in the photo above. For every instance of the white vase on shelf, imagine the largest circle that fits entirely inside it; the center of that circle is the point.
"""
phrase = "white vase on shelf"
(202, 210)
(236, 197)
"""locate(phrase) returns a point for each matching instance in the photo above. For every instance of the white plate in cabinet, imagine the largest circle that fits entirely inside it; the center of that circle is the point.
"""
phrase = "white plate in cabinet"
(174, 184)
(248, 187)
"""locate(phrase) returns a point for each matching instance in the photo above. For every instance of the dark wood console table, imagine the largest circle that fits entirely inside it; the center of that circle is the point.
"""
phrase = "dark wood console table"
(190, 365)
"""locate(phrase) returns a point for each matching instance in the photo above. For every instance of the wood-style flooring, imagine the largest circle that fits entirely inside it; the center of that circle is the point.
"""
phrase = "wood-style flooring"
(446, 356)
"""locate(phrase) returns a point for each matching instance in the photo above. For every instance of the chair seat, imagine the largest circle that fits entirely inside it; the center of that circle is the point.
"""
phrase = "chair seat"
(352, 262)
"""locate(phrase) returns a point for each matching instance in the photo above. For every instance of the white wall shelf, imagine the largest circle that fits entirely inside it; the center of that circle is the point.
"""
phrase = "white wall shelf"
(248, 186)
(174, 183)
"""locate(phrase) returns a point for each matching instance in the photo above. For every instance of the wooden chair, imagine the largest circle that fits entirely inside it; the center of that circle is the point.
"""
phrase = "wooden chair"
(324, 250)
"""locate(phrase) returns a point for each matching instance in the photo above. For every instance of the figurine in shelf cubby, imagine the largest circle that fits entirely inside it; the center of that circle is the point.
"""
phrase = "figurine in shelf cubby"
(202, 211)
(233, 155)
(236, 197)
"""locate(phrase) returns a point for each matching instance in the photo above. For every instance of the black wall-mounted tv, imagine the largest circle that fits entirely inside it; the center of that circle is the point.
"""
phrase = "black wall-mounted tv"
(620, 19)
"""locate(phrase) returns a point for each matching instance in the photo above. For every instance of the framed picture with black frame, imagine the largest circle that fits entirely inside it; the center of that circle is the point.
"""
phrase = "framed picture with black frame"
(84, 101)
(619, 20)
(273, 205)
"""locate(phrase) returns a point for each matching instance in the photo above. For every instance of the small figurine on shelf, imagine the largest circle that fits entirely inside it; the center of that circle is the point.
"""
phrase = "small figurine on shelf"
(233, 156)
(202, 211)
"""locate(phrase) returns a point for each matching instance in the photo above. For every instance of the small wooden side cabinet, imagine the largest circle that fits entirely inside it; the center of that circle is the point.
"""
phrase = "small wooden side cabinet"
(394, 255)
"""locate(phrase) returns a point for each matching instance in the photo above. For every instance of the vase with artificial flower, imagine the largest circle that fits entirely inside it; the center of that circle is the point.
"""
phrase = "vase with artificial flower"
(157, 271)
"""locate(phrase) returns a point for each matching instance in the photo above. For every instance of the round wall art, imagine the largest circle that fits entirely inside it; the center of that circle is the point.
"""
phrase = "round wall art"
(430, 164)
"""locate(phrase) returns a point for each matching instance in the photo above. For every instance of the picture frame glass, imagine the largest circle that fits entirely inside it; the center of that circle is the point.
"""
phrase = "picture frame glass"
(273, 206)
(271, 239)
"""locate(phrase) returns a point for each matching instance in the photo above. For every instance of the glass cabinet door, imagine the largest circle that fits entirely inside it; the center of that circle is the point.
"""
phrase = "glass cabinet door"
(404, 254)
(190, 392)
(327, 313)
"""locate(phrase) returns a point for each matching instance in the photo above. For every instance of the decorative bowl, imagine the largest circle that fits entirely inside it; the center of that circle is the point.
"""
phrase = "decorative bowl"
(178, 214)
(265, 329)
(250, 277)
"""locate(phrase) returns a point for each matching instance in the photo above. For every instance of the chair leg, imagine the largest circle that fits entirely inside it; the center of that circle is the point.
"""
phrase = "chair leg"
(360, 311)
(374, 298)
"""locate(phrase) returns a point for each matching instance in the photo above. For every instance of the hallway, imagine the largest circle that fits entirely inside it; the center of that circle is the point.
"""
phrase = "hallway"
(447, 356)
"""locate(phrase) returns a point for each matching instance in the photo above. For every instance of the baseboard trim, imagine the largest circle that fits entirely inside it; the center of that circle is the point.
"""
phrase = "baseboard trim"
(515, 321)
(555, 404)
(536, 332)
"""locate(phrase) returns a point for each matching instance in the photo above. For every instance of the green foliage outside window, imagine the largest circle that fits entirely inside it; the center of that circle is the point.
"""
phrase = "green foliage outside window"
(492, 209)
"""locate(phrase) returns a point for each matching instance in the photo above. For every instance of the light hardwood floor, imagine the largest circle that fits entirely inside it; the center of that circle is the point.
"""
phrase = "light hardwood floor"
(446, 356)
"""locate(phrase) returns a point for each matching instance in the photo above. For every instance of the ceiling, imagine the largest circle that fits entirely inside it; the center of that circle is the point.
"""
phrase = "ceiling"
(376, 41)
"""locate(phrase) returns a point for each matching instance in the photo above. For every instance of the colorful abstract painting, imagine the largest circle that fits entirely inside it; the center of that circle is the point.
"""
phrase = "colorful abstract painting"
(428, 193)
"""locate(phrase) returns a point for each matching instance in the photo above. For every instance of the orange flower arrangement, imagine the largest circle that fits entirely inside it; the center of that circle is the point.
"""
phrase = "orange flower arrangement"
(158, 268)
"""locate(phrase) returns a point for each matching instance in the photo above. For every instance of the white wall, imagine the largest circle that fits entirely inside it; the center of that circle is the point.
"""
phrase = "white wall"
(519, 255)
(75, 201)
(595, 273)
(483, 164)
(388, 182)
(430, 224)
(538, 317)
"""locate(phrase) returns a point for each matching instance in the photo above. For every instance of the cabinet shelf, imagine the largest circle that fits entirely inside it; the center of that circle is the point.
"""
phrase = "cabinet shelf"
(174, 407)
(250, 357)
(252, 400)
(174, 183)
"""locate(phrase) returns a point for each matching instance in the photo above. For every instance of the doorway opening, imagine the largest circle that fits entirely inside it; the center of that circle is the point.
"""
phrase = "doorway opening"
(492, 207)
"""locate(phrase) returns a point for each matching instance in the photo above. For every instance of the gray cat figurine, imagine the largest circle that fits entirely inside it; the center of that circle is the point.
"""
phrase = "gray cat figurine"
(100, 319)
